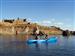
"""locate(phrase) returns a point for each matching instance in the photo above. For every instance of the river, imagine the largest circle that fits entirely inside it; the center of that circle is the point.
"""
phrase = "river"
(17, 46)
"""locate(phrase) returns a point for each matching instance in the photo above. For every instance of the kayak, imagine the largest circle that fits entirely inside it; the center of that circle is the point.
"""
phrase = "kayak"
(51, 39)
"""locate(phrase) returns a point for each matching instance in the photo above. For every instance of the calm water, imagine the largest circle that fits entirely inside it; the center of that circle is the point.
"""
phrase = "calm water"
(16, 46)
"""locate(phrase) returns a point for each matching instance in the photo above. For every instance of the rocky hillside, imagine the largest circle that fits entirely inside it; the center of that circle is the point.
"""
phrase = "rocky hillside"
(21, 25)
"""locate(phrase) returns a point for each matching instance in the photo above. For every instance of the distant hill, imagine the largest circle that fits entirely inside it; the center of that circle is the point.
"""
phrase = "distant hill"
(19, 23)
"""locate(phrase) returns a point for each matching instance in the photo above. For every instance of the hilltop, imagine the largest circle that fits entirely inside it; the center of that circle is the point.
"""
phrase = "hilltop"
(22, 25)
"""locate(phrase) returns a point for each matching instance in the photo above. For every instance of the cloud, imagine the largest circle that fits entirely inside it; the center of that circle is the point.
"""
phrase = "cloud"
(29, 19)
(53, 22)
(53, 19)
(43, 22)
(58, 23)
(46, 22)
(49, 23)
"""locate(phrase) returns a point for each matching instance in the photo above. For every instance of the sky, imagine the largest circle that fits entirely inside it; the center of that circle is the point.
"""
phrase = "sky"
(60, 13)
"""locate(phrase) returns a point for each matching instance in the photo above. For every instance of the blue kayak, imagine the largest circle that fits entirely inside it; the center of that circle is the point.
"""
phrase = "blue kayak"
(51, 39)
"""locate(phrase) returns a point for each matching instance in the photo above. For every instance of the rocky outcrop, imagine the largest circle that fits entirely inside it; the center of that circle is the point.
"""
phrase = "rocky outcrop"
(23, 26)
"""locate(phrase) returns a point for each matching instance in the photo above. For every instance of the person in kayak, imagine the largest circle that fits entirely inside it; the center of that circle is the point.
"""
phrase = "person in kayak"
(37, 32)
(36, 37)
(46, 37)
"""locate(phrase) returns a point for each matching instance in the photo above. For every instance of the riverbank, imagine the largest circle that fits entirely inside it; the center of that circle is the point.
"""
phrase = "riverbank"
(11, 27)
(19, 26)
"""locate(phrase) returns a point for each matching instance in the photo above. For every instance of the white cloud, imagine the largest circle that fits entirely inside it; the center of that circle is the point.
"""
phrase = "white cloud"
(53, 19)
(58, 23)
(49, 23)
(44, 22)
(53, 22)
(29, 19)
